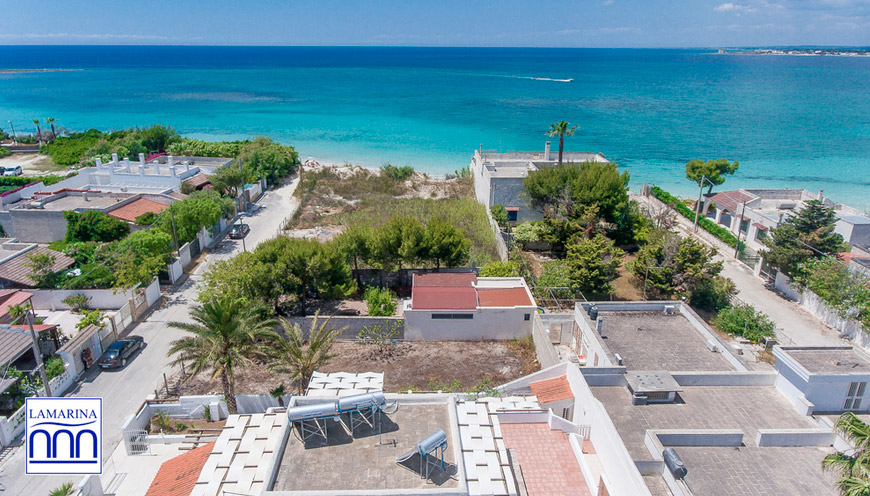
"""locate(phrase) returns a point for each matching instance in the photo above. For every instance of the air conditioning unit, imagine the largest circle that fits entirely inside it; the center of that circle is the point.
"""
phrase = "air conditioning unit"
(618, 358)
(670, 309)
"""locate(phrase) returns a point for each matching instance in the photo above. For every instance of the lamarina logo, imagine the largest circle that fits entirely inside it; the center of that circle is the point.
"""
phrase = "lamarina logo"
(63, 435)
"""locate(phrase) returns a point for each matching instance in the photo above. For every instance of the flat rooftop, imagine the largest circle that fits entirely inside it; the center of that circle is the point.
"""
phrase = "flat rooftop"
(747, 408)
(835, 360)
(358, 462)
(747, 469)
(73, 202)
(753, 470)
(655, 341)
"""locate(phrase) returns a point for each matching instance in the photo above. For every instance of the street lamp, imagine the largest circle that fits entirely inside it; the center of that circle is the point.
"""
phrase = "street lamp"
(739, 228)
(698, 205)
(14, 141)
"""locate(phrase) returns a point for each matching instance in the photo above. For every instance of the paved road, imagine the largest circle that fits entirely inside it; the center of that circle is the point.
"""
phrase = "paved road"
(795, 323)
(123, 391)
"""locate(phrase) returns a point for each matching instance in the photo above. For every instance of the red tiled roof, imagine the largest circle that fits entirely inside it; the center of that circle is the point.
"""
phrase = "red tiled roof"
(135, 208)
(177, 477)
(198, 181)
(36, 327)
(17, 269)
(445, 280)
(503, 297)
(16, 298)
(548, 462)
(549, 390)
(729, 200)
(443, 298)
(177, 195)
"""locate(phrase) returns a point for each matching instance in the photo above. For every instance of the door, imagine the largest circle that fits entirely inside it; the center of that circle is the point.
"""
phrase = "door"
(855, 396)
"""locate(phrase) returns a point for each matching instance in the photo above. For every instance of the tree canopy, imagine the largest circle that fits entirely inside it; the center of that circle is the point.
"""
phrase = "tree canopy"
(669, 264)
(269, 159)
(713, 170)
(593, 265)
(807, 235)
(561, 191)
(93, 225)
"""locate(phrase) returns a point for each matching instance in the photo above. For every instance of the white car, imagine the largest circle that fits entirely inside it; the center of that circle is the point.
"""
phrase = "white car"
(13, 171)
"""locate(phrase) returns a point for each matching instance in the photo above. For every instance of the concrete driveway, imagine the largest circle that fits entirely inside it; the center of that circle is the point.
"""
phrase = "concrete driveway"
(124, 390)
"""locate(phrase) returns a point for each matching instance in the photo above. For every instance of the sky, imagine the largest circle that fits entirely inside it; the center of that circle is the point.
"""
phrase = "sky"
(533, 23)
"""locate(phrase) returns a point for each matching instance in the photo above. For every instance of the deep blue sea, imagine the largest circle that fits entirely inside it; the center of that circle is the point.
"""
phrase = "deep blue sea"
(798, 122)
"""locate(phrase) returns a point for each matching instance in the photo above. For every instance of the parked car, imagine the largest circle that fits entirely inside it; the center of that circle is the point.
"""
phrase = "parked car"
(13, 171)
(239, 231)
(120, 351)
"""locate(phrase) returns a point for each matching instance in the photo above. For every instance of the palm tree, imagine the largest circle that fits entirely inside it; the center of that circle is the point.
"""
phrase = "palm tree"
(300, 358)
(38, 131)
(560, 129)
(66, 489)
(852, 466)
(225, 338)
(50, 121)
(16, 311)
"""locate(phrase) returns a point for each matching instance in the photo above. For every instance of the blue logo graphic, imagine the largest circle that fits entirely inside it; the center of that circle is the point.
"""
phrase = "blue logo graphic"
(63, 435)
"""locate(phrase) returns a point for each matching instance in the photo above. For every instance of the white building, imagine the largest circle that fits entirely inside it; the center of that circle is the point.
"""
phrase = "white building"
(752, 213)
(463, 307)
(498, 177)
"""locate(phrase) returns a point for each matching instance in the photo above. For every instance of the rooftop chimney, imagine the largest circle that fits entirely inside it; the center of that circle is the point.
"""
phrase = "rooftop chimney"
(127, 165)
(172, 171)
(821, 195)
(99, 162)
(141, 170)
(114, 159)
(170, 160)
(547, 151)
(142, 159)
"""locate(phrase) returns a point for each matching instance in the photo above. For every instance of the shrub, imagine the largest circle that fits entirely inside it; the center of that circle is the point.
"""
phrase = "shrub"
(746, 321)
(381, 302)
(90, 318)
(713, 294)
(4, 151)
(527, 232)
(397, 173)
(54, 367)
(499, 214)
(706, 224)
(198, 148)
(500, 269)
(77, 302)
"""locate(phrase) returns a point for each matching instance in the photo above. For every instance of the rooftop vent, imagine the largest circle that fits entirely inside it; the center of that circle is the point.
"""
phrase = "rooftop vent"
(670, 309)
(674, 463)
(787, 205)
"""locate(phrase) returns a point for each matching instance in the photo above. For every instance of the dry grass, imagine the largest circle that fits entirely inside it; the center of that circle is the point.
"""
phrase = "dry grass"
(423, 366)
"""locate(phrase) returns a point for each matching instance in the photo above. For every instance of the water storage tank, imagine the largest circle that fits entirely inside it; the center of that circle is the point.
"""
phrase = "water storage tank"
(674, 463)
(361, 401)
(316, 410)
(593, 312)
(432, 441)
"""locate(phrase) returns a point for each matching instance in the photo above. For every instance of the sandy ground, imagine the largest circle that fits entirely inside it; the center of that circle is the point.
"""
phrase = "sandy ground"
(419, 365)
(34, 164)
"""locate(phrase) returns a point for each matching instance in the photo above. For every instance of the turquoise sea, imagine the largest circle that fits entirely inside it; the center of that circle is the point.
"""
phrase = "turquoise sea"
(798, 122)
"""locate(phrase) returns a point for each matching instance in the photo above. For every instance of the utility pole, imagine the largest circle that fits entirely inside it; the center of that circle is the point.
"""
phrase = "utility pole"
(14, 140)
(174, 234)
(698, 205)
(28, 316)
(739, 230)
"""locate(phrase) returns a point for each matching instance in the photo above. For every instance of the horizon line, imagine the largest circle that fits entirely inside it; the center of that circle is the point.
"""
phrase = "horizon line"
(675, 47)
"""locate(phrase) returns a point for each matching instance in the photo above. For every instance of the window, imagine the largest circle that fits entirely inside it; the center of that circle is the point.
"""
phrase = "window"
(854, 396)
(566, 413)
(465, 316)
(744, 226)
(761, 234)
(527, 316)
(512, 214)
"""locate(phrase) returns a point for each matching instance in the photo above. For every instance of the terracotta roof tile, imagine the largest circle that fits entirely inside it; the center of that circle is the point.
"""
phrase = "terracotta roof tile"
(178, 476)
(440, 298)
(199, 180)
(503, 297)
(549, 390)
(16, 298)
(445, 279)
(729, 200)
(17, 269)
(135, 208)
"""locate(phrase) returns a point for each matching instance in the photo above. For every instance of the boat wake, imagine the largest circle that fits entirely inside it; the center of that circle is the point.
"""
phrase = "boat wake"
(543, 79)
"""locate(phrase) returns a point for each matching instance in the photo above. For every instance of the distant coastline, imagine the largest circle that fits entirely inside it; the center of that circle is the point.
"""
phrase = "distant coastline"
(24, 71)
(802, 52)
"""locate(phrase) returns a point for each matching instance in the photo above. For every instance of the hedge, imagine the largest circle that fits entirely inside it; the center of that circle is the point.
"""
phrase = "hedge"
(706, 224)
(18, 181)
